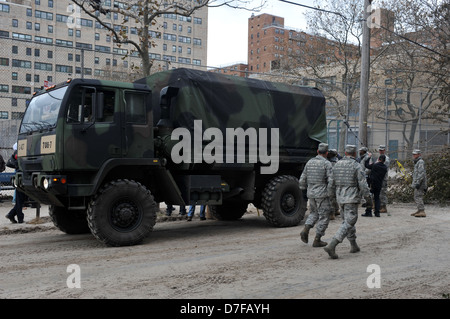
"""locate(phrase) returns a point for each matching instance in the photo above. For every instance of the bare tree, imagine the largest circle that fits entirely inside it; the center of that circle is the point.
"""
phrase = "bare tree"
(417, 55)
(331, 56)
(145, 13)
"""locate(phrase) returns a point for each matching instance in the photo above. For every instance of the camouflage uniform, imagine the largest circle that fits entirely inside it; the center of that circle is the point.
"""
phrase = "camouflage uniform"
(315, 178)
(349, 183)
(419, 184)
(364, 157)
(333, 158)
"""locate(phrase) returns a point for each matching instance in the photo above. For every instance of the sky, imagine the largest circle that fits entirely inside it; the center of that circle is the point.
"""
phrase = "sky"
(228, 29)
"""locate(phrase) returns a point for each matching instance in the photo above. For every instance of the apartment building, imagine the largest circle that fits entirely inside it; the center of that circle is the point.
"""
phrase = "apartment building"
(43, 42)
(271, 44)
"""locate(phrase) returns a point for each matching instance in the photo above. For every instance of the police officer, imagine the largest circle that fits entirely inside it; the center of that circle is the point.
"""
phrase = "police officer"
(383, 193)
(349, 183)
(419, 183)
(315, 179)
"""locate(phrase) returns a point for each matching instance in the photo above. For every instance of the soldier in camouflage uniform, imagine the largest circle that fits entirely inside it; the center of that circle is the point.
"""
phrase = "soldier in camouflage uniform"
(349, 183)
(363, 158)
(419, 183)
(383, 194)
(333, 157)
(315, 178)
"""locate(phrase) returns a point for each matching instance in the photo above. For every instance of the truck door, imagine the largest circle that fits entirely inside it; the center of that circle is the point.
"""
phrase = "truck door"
(90, 139)
(138, 138)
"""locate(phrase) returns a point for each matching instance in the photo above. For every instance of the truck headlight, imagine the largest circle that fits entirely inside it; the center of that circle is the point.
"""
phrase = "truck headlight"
(45, 183)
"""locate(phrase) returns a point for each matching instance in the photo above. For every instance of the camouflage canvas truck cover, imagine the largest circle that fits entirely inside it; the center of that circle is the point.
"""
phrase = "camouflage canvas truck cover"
(112, 150)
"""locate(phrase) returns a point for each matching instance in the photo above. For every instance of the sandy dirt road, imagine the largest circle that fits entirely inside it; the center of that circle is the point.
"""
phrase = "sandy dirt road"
(234, 260)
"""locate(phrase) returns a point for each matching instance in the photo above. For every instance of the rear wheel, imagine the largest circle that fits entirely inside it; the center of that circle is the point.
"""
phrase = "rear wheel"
(282, 202)
(69, 221)
(123, 213)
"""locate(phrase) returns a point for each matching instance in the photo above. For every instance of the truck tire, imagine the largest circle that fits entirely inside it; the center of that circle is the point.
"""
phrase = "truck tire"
(282, 202)
(122, 213)
(69, 221)
(228, 211)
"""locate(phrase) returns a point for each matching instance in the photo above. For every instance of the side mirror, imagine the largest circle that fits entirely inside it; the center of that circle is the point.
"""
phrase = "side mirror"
(99, 106)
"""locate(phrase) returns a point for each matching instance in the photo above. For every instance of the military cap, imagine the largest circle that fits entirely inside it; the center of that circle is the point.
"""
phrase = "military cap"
(323, 147)
(416, 151)
(350, 148)
(332, 150)
(363, 149)
(382, 148)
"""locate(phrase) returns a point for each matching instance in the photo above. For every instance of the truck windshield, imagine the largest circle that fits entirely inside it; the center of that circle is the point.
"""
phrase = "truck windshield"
(42, 112)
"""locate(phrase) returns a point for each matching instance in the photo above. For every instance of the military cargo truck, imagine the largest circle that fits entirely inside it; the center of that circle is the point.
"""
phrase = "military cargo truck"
(102, 154)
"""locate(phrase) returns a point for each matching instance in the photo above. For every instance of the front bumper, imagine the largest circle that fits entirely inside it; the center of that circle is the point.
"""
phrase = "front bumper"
(42, 187)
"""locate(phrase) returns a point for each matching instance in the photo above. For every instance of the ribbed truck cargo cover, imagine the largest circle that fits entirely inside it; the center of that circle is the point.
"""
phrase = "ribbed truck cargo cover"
(223, 101)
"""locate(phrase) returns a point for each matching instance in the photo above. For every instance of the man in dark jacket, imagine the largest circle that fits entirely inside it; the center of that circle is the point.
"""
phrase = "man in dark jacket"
(377, 172)
(20, 197)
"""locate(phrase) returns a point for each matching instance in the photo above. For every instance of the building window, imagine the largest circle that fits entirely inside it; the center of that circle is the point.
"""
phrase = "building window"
(15, 23)
(4, 61)
(4, 7)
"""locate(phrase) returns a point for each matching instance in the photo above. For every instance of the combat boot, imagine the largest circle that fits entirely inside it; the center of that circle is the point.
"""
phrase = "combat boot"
(354, 246)
(304, 233)
(318, 243)
(420, 213)
(368, 213)
(332, 217)
(383, 209)
(331, 248)
(414, 214)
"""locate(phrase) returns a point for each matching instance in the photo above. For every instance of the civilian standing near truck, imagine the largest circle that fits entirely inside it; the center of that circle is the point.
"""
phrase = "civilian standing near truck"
(378, 171)
(383, 193)
(20, 197)
(315, 178)
(349, 184)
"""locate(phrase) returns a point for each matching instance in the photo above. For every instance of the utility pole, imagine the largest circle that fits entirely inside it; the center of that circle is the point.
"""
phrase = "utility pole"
(364, 82)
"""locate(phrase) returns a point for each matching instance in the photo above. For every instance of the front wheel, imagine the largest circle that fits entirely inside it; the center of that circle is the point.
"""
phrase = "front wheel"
(282, 202)
(123, 213)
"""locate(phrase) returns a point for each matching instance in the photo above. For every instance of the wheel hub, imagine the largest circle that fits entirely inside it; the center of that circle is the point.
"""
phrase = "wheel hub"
(288, 202)
(124, 215)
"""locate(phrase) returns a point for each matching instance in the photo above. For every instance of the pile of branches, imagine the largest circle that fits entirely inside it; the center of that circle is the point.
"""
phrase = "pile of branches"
(437, 166)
